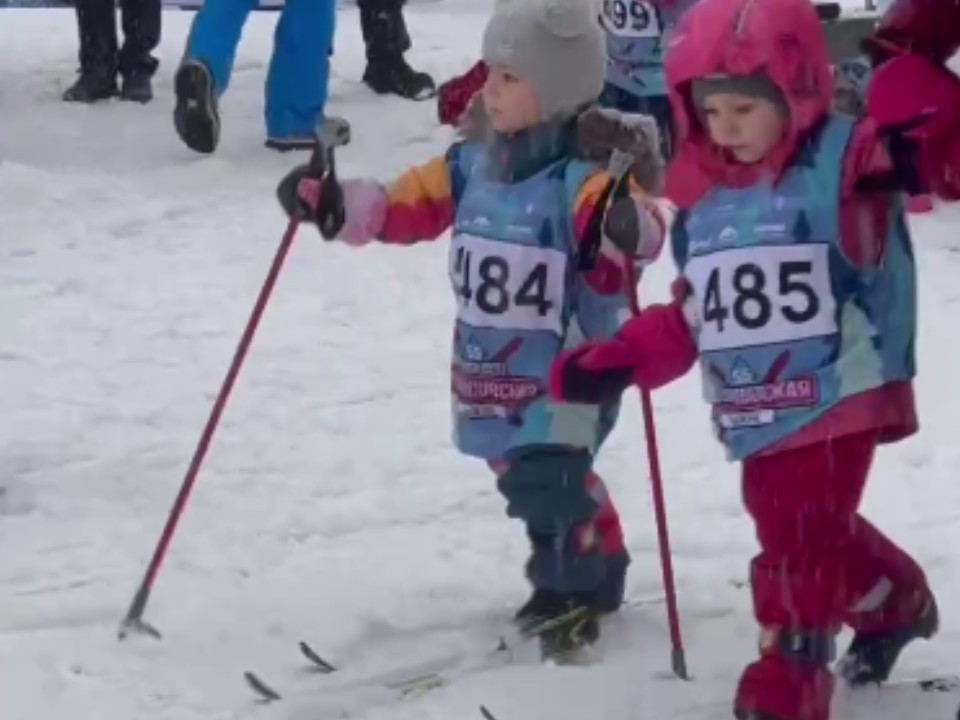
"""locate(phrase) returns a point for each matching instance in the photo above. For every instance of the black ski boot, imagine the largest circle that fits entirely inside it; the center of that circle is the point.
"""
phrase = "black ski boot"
(871, 657)
(542, 605)
(91, 87)
(196, 117)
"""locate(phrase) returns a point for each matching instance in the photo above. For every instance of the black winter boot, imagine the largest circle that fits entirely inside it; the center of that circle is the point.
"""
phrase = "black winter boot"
(871, 657)
(136, 87)
(386, 37)
(91, 87)
(394, 76)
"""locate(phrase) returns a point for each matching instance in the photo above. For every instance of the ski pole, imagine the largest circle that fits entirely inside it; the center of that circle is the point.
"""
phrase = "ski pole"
(134, 618)
(133, 622)
(678, 656)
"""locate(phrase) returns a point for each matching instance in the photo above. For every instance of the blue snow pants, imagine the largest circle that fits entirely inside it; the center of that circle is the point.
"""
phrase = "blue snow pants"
(296, 89)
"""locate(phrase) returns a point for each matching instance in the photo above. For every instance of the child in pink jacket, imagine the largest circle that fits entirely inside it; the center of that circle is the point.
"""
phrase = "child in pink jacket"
(797, 297)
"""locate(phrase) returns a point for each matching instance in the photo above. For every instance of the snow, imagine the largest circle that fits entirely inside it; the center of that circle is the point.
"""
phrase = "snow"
(331, 507)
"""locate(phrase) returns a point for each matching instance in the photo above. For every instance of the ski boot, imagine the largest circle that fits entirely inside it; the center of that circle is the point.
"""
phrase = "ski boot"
(606, 599)
(565, 630)
(871, 656)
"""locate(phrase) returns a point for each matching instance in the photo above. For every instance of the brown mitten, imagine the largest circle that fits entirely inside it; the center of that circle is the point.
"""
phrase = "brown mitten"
(602, 130)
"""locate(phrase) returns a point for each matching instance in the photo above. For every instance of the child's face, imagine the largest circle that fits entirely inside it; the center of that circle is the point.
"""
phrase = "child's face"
(511, 103)
(747, 127)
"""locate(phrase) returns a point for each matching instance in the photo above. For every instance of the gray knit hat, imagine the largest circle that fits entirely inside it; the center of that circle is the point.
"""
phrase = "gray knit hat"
(758, 85)
(555, 45)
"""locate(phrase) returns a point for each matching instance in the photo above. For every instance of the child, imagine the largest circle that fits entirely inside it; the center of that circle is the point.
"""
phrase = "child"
(528, 217)
(637, 33)
(797, 295)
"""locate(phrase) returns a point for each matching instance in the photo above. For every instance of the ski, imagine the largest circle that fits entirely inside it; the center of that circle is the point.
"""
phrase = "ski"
(400, 684)
(266, 693)
(487, 714)
(422, 678)
(317, 662)
(947, 683)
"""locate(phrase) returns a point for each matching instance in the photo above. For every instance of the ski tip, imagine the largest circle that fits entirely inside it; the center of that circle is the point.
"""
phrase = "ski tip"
(946, 683)
(487, 714)
(318, 662)
(266, 693)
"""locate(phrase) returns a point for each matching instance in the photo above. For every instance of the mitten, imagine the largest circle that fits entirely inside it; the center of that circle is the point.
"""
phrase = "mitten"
(916, 104)
(636, 228)
(930, 28)
(600, 131)
(916, 97)
(314, 200)
(594, 373)
(353, 212)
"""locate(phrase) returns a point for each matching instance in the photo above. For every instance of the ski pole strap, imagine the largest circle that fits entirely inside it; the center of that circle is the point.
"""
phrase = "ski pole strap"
(618, 185)
(801, 645)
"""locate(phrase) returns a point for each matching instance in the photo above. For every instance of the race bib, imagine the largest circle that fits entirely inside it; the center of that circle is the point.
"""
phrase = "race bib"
(508, 286)
(631, 18)
(763, 296)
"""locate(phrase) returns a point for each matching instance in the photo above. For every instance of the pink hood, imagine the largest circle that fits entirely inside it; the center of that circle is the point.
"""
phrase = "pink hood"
(782, 38)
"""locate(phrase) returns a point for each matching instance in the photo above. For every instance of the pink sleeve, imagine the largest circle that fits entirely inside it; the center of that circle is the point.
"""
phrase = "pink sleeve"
(365, 210)
(417, 206)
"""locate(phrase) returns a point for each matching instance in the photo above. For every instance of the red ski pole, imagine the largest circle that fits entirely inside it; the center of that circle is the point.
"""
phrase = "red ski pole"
(678, 656)
(331, 135)
(134, 618)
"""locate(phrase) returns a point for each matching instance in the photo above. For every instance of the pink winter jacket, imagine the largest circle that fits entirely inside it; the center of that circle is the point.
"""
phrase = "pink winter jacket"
(783, 38)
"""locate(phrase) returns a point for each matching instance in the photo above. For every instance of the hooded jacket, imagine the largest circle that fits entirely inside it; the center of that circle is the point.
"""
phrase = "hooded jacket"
(784, 40)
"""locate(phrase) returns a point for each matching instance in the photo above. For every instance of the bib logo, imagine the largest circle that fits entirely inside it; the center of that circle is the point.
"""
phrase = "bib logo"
(745, 398)
(742, 374)
(484, 386)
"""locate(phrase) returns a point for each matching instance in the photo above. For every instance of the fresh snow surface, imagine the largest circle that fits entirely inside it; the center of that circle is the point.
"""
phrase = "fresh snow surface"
(332, 507)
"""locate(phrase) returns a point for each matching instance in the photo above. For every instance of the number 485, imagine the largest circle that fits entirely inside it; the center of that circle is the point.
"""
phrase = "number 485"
(752, 306)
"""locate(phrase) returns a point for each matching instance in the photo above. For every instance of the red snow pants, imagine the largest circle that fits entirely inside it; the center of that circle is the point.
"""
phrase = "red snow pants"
(821, 565)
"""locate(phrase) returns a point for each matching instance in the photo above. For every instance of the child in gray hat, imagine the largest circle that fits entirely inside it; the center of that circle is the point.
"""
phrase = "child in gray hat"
(543, 244)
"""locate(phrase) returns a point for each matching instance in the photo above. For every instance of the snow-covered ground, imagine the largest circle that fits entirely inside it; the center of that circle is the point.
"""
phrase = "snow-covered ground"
(332, 507)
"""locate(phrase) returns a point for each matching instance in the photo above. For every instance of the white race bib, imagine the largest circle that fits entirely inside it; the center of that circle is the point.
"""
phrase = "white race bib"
(508, 286)
(631, 18)
(763, 295)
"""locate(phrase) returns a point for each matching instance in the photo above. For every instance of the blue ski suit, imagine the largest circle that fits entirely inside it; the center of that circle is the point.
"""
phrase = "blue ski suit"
(296, 89)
